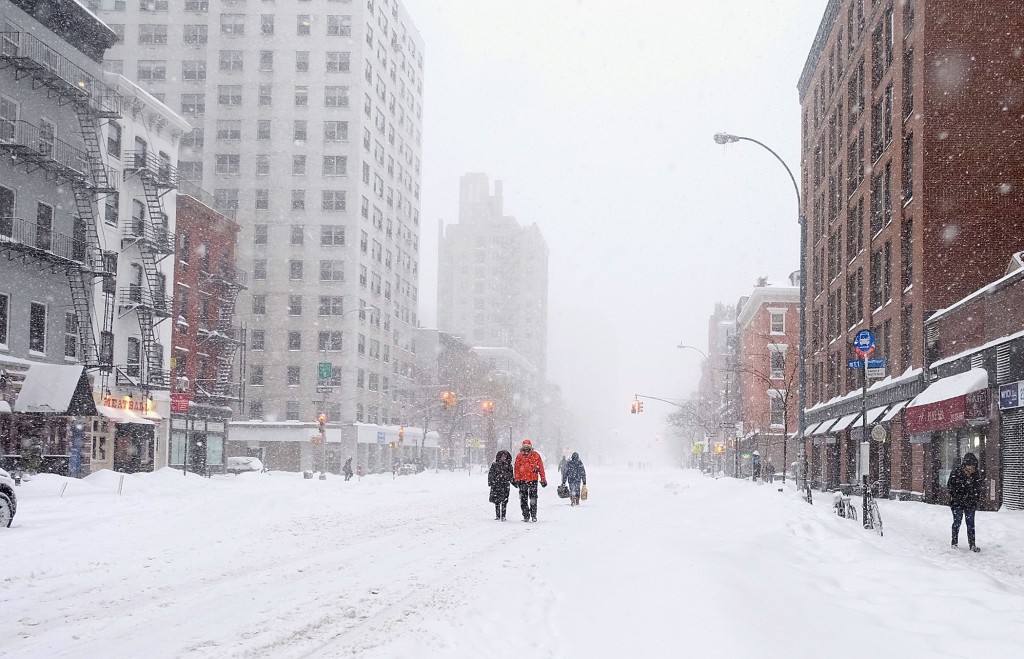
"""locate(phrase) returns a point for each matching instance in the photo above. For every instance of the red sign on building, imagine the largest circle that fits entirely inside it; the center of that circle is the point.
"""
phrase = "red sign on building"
(947, 414)
(179, 402)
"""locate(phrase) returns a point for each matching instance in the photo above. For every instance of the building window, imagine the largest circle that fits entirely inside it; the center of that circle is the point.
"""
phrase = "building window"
(332, 234)
(257, 340)
(255, 409)
(193, 104)
(335, 131)
(266, 60)
(293, 376)
(151, 70)
(330, 305)
(114, 140)
(263, 129)
(262, 200)
(301, 97)
(298, 165)
(336, 166)
(329, 341)
(302, 61)
(37, 328)
(259, 305)
(259, 235)
(778, 409)
(298, 200)
(778, 322)
(333, 200)
(778, 363)
(338, 62)
(195, 35)
(302, 24)
(232, 24)
(299, 130)
(267, 24)
(259, 269)
(256, 375)
(294, 305)
(336, 97)
(5, 311)
(292, 410)
(262, 165)
(266, 96)
(229, 95)
(152, 34)
(331, 270)
(112, 208)
(295, 340)
(339, 26)
(295, 270)
(228, 163)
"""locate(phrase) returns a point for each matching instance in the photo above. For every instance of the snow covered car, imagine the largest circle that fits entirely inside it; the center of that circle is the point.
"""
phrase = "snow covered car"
(8, 502)
(243, 464)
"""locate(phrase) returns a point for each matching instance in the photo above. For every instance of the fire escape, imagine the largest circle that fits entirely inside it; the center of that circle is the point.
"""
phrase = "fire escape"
(218, 333)
(152, 235)
(80, 255)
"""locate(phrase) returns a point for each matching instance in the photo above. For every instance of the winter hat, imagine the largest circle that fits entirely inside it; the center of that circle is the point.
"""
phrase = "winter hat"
(527, 442)
(970, 459)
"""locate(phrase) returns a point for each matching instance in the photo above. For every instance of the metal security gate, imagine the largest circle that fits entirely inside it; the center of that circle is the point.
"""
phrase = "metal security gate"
(1013, 459)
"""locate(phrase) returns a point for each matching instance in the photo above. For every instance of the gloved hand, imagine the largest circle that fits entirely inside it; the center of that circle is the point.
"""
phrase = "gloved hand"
(543, 483)
(515, 484)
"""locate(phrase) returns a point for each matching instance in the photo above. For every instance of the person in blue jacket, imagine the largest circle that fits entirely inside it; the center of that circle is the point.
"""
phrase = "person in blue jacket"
(575, 475)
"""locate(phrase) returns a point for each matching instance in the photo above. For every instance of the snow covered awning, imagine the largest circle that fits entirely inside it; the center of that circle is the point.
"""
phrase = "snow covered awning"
(950, 403)
(845, 422)
(895, 410)
(875, 412)
(5, 407)
(122, 416)
(824, 428)
(56, 389)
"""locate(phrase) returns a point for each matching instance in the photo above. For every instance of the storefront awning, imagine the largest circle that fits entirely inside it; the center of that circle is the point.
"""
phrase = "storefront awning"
(122, 416)
(895, 410)
(824, 427)
(845, 422)
(56, 389)
(949, 403)
(5, 407)
(874, 413)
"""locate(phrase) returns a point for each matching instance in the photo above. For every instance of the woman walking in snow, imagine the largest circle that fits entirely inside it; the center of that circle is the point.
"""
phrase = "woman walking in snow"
(575, 474)
(498, 478)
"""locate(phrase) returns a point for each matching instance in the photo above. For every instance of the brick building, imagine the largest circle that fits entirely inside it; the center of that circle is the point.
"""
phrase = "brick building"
(767, 349)
(206, 341)
(907, 172)
(717, 389)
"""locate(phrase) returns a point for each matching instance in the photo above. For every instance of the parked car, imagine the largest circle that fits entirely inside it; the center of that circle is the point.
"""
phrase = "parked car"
(8, 501)
(407, 469)
(241, 465)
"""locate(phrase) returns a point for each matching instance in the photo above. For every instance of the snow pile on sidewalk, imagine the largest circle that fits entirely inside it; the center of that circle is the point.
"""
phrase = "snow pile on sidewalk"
(657, 563)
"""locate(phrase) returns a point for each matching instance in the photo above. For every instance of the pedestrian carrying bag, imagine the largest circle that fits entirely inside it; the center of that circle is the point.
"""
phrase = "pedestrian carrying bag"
(563, 491)
(583, 493)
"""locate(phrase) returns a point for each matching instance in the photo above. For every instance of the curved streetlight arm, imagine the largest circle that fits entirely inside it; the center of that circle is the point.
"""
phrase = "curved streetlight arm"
(702, 353)
(726, 138)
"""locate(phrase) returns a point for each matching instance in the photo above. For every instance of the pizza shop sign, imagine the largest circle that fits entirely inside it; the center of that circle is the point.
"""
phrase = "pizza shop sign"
(126, 403)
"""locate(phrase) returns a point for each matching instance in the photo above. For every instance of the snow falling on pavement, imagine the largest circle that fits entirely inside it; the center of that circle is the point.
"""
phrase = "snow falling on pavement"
(656, 563)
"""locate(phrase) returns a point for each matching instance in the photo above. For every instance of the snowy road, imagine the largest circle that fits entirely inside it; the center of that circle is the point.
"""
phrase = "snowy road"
(659, 564)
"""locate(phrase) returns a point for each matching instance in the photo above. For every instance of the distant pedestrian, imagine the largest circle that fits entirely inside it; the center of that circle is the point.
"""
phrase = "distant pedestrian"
(575, 475)
(769, 472)
(347, 469)
(561, 466)
(529, 470)
(964, 487)
(499, 478)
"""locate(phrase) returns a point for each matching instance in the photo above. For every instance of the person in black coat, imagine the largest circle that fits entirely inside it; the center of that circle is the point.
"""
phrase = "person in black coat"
(575, 474)
(347, 469)
(499, 478)
(964, 494)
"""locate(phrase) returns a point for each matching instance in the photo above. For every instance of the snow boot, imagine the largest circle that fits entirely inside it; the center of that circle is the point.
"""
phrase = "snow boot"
(533, 519)
(975, 549)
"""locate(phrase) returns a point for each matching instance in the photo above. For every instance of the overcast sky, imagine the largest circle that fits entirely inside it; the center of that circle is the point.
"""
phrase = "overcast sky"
(599, 117)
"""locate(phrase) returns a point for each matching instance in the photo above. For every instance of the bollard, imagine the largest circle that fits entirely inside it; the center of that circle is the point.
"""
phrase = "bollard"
(62, 491)
(120, 484)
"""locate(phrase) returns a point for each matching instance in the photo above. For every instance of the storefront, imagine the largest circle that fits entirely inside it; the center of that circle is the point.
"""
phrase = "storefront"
(199, 438)
(951, 418)
(123, 435)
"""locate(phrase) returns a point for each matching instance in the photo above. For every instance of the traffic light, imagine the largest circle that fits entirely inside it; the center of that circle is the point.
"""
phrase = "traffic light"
(448, 398)
(632, 407)
(322, 420)
(401, 434)
(487, 406)
(640, 407)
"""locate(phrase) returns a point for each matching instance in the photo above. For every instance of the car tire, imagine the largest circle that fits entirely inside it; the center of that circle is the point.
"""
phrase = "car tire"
(6, 511)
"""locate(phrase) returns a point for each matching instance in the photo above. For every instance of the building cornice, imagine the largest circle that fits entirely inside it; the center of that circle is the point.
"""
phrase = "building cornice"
(820, 39)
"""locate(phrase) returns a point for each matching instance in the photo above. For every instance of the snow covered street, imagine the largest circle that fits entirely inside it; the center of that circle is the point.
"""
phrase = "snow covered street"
(656, 563)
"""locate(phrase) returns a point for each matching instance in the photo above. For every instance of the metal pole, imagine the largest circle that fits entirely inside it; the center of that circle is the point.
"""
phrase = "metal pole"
(864, 412)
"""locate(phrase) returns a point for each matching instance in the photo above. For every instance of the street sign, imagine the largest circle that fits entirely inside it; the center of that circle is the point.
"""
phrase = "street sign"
(876, 363)
(854, 363)
(876, 373)
(325, 390)
(179, 402)
(1011, 395)
(864, 342)
(878, 433)
(381, 437)
(325, 370)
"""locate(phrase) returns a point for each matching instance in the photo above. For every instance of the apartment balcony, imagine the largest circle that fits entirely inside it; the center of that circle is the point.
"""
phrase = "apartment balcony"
(151, 168)
(40, 243)
(41, 150)
(209, 331)
(30, 56)
(148, 235)
(137, 296)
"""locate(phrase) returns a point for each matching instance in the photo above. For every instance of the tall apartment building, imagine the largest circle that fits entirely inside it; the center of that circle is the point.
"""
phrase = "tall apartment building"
(910, 189)
(493, 279)
(307, 119)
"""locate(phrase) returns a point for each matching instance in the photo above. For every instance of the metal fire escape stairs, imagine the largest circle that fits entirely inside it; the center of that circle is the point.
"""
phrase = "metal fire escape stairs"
(153, 237)
(229, 283)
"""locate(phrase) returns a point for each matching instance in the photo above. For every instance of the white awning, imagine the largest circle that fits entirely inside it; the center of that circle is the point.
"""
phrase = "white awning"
(896, 409)
(49, 388)
(122, 416)
(960, 384)
(845, 422)
(874, 413)
(5, 407)
(824, 427)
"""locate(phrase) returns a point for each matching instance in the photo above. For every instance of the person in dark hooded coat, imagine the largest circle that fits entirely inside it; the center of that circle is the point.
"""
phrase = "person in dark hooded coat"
(575, 474)
(964, 487)
(347, 469)
(499, 478)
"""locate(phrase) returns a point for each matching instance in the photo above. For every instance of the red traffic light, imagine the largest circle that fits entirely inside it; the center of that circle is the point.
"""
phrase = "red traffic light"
(448, 398)
(487, 406)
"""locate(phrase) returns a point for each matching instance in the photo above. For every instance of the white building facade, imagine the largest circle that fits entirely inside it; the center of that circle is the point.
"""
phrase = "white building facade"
(307, 118)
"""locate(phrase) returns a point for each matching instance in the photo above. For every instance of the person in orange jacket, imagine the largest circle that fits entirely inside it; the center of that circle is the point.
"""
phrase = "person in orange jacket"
(529, 469)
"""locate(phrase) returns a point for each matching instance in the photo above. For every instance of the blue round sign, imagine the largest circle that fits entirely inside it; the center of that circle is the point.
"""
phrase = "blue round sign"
(864, 341)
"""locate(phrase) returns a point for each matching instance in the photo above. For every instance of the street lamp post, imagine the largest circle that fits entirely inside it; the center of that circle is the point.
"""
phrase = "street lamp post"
(727, 138)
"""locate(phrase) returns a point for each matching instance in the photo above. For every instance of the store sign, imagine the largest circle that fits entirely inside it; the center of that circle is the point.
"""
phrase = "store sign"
(142, 405)
(179, 402)
(1011, 395)
(947, 414)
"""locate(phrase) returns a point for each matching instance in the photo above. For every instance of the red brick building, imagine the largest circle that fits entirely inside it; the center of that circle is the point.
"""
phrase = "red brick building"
(207, 344)
(910, 117)
(767, 350)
